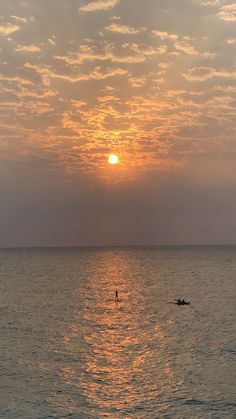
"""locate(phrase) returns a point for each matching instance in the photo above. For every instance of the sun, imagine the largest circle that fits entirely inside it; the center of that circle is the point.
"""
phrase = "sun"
(113, 159)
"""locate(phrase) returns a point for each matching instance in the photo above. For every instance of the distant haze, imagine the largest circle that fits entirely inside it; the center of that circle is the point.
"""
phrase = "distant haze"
(153, 82)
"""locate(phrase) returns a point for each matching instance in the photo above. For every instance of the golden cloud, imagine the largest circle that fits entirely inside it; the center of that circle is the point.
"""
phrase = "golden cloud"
(123, 29)
(98, 5)
(165, 35)
(186, 48)
(228, 12)
(8, 28)
(28, 48)
(206, 73)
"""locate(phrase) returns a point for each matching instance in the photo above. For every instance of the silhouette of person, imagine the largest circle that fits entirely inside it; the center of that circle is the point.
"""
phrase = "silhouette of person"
(117, 299)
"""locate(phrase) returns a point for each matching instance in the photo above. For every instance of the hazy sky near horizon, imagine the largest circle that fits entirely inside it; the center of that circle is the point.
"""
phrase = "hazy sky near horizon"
(153, 81)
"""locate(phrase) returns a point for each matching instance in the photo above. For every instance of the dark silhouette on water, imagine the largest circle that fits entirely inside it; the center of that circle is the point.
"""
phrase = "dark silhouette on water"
(116, 299)
(180, 302)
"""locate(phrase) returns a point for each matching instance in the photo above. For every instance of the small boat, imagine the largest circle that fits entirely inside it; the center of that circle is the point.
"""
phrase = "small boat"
(185, 303)
(180, 302)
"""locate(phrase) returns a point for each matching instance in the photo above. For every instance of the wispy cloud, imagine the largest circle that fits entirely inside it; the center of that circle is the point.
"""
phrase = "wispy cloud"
(228, 12)
(19, 19)
(98, 5)
(98, 73)
(8, 28)
(123, 29)
(206, 73)
(212, 3)
(165, 35)
(52, 41)
(28, 48)
(129, 52)
(186, 47)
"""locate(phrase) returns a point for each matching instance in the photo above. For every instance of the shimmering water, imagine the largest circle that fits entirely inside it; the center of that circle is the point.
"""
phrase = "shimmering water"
(69, 350)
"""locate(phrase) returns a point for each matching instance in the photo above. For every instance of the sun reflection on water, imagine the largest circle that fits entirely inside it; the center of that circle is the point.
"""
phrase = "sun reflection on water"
(119, 349)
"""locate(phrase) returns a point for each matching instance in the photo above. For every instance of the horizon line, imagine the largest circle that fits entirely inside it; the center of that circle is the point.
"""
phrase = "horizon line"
(30, 247)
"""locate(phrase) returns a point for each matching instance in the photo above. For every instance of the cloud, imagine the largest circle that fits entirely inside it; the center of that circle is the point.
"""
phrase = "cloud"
(182, 44)
(98, 5)
(115, 18)
(186, 47)
(228, 13)
(137, 82)
(17, 79)
(212, 3)
(123, 29)
(98, 73)
(28, 48)
(165, 35)
(52, 41)
(231, 41)
(135, 76)
(206, 73)
(19, 19)
(8, 28)
(127, 53)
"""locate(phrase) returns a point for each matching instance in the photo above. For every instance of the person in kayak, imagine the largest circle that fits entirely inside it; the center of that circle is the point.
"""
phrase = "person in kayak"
(180, 302)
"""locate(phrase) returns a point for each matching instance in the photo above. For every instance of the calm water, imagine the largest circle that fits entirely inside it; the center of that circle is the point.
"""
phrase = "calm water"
(69, 350)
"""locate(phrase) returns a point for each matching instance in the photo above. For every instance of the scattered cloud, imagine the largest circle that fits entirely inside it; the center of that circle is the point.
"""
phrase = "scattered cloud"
(213, 3)
(137, 82)
(52, 40)
(228, 12)
(8, 28)
(98, 5)
(98, 73)
(120, 81)
(28, 48)
(127, 53)
(115, 18)
(151, 80)
(19, 19)
(165, 35)
(123, 29)
(206, 73)
(186, 48)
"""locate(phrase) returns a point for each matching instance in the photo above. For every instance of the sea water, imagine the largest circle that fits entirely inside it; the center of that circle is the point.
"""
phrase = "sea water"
(68, 349)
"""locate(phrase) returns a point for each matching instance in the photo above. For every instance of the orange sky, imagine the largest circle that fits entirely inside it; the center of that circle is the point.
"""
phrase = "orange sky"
(153, 82)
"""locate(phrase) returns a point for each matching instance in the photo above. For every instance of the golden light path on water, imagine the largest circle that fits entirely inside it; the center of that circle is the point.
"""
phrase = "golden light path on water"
(75, 352)
(123, 365)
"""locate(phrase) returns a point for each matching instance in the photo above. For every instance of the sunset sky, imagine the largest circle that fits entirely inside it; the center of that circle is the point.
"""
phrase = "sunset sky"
(153, 81)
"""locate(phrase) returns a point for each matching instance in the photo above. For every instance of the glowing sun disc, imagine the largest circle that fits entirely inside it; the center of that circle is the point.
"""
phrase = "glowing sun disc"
(113, 159)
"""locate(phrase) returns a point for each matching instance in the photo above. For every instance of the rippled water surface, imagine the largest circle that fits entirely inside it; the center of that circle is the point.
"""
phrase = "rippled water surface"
(69, 350)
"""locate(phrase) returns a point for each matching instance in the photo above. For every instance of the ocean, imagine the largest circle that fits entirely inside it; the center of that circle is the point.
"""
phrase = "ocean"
(69, 350)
